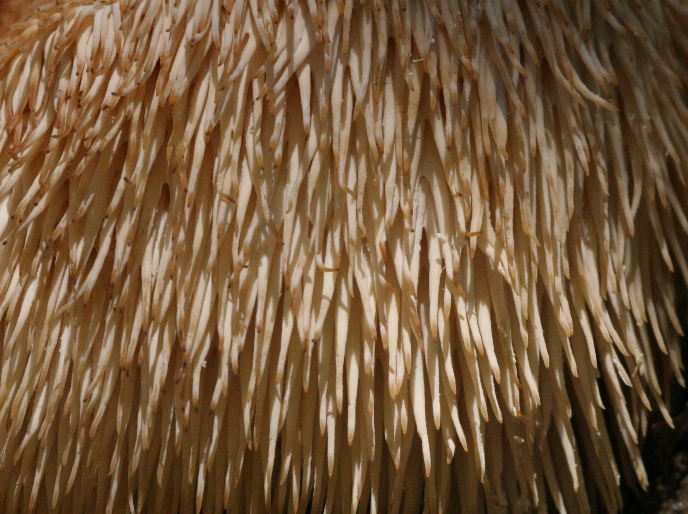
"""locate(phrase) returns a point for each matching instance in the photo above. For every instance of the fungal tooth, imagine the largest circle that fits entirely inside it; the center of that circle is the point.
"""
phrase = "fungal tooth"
(255, 246)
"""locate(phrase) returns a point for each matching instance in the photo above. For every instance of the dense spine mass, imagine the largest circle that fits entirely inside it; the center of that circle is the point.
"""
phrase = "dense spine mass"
(289, 254)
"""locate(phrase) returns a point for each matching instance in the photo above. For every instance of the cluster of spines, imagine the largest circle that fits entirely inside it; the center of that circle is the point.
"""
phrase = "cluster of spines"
(323, 254)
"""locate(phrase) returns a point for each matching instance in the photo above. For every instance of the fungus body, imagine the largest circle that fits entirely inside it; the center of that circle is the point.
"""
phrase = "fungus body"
(306, 255)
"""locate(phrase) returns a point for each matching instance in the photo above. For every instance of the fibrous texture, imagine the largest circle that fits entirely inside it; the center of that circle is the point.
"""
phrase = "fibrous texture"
(279, 255)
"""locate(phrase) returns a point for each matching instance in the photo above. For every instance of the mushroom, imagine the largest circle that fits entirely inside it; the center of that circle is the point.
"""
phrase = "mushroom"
(334, 255)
